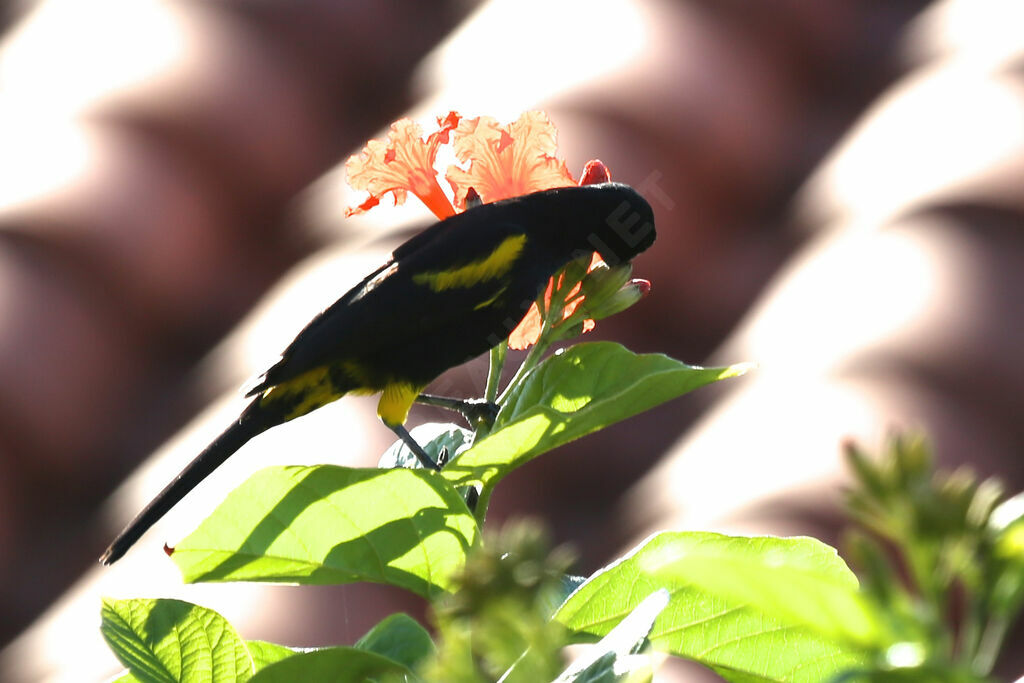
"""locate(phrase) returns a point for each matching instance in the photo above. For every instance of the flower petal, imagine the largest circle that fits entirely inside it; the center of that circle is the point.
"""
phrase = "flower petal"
(527, 332)
(403, 163)
(506, 161)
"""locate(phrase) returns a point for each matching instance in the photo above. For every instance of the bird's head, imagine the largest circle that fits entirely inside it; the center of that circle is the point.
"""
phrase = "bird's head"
(609, 218)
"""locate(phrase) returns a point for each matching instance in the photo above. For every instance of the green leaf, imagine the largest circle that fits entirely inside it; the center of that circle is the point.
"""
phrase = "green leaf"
(571, 394)
(400, 638)
(740, 642)
(921, 674)
(799, 580)
(166, 641)
(264, 654)
(616, 656)
(611, 669)
(336, 665)
(332, 525)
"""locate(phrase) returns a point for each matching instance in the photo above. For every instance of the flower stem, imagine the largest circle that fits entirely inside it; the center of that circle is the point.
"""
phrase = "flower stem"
(480, 511)
(497, 358)
(497, 364)
(551, 315)
(533, 357)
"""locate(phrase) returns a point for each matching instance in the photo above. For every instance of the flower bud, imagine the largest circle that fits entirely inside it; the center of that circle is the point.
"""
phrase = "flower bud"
(605, 281)
(629, 294)
(595, 172)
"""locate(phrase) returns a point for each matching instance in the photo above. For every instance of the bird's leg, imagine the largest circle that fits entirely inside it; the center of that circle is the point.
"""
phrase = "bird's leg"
(474, 410)
(416, 449)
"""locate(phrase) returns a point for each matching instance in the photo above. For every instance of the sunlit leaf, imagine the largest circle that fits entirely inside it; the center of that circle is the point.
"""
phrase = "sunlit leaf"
(170, 641)
(616, 656)
(800, 580)
(332, 525)
(714, 628)
(264, 654)
(334, 664)
(571, 394)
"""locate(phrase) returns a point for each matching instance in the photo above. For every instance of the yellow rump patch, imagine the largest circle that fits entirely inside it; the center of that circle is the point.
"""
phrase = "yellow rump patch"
(395, 401)
(494, 265)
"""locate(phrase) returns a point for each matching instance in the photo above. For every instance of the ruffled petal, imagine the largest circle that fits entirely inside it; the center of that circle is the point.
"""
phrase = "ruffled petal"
(506, 161)
(403, 163)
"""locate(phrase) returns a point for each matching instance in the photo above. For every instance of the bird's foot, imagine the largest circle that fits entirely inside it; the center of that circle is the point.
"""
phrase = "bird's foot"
(474, 410)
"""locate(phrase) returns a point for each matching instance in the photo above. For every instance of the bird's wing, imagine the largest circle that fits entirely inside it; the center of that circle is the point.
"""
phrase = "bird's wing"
(438, 293)
(279, 372)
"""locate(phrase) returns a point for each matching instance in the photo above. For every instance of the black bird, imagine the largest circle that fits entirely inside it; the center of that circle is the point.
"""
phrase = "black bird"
(446, 296)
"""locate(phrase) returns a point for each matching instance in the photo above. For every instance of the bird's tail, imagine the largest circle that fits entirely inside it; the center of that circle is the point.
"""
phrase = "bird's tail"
(253, 420)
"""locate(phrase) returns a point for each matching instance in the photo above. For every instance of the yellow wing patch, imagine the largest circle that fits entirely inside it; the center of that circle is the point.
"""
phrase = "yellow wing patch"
(492, 266)
(488, 302)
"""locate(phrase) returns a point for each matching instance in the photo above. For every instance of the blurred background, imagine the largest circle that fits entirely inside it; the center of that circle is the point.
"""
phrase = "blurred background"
(837, 186)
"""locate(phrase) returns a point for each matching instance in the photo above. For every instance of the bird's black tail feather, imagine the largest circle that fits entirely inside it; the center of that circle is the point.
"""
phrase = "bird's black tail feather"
(252, 421)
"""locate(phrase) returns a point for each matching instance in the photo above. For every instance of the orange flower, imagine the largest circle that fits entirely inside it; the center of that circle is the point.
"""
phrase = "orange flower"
(506, 161)
(405, 163)
(503, 162)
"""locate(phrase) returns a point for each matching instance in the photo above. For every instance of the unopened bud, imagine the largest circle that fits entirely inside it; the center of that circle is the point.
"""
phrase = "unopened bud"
(595, 172)
(604, 281)
(629, 294)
